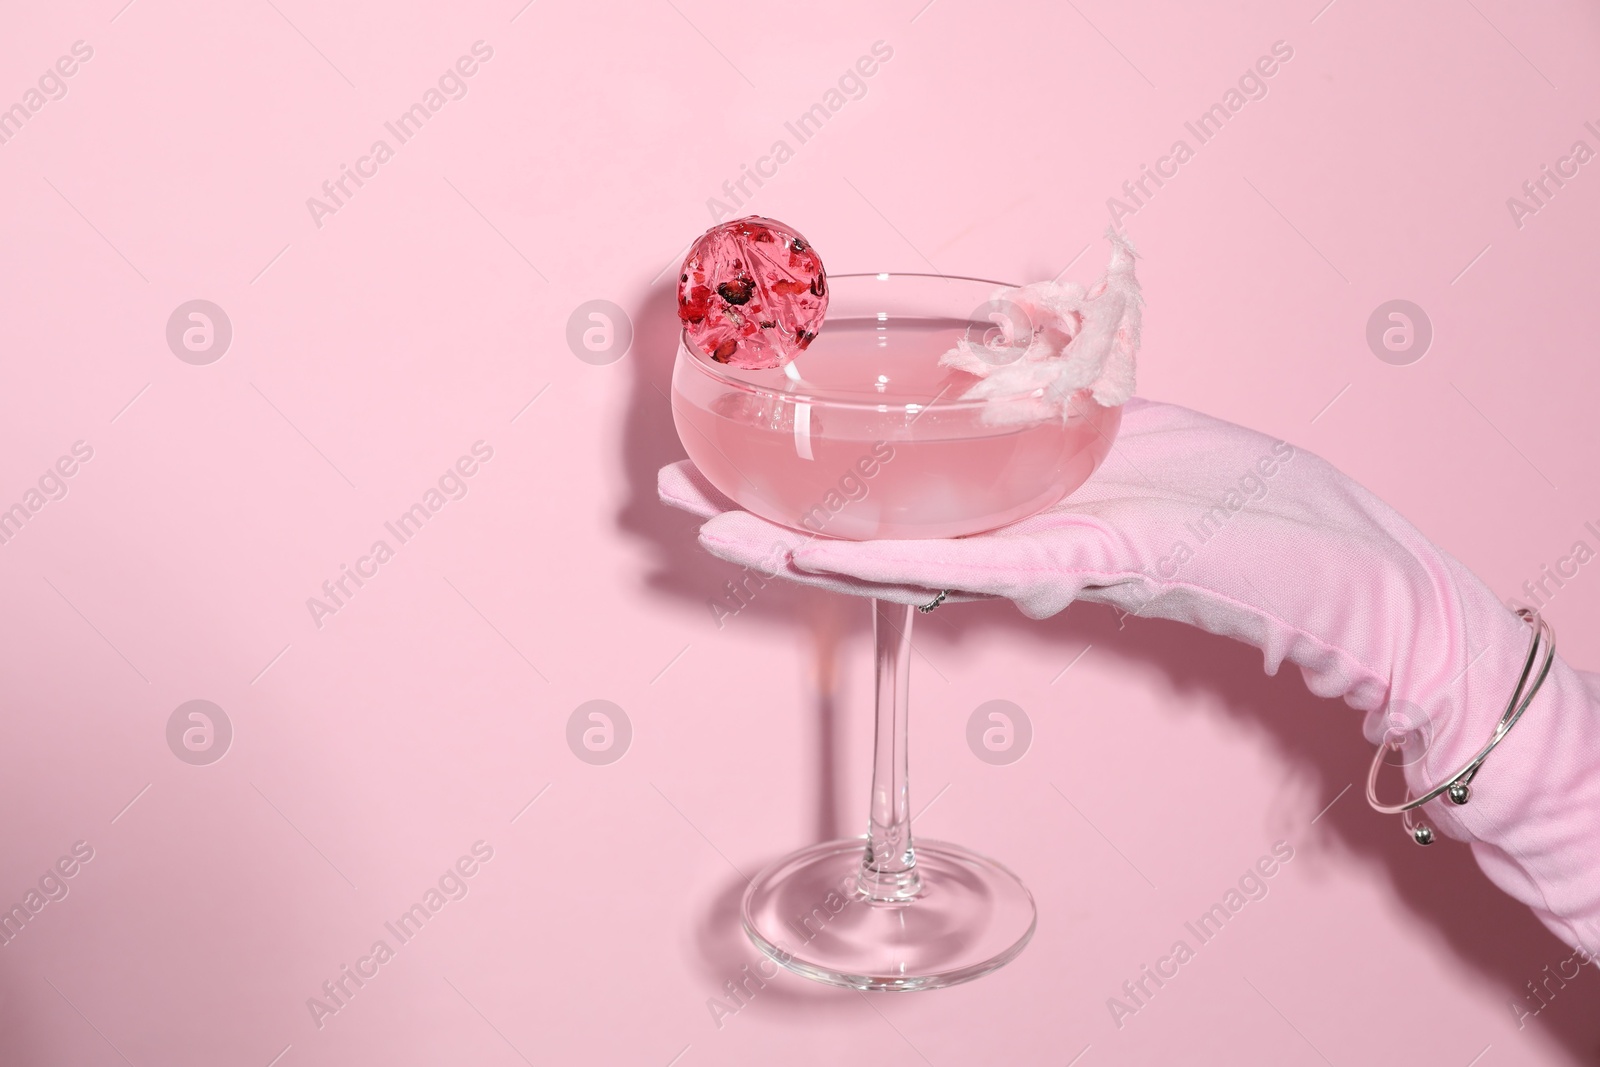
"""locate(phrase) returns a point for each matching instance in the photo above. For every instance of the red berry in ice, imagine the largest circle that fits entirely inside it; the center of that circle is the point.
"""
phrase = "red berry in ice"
(752, 293)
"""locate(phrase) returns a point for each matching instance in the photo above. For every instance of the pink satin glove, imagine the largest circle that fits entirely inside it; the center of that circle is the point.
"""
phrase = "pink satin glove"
(1199, 521)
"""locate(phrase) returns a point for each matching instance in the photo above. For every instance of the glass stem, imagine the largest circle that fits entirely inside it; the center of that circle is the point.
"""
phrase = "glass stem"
(889, 868)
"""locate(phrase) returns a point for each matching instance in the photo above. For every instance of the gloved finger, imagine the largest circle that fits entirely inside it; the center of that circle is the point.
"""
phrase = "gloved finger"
(682, 486)
(1042, 568)
(768, 549)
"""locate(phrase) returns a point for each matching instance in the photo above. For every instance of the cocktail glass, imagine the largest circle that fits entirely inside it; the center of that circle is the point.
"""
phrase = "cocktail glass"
(865, 436)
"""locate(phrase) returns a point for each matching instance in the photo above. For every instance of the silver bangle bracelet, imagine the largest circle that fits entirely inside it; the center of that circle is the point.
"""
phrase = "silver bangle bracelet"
(1457, 786)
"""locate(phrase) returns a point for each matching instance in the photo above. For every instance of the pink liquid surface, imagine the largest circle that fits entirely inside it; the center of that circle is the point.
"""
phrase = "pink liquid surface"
(871, 441)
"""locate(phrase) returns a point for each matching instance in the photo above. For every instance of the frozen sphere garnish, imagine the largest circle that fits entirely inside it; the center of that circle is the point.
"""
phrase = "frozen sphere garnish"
(752, 293)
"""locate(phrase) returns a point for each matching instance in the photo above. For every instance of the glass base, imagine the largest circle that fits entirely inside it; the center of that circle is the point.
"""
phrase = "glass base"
(807, 912)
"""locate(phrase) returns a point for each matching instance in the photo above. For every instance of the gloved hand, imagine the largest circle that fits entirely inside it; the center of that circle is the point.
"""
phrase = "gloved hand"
(1199, 521)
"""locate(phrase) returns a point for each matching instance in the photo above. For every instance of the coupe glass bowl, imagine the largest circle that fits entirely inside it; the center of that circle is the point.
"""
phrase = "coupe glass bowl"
(864, 436)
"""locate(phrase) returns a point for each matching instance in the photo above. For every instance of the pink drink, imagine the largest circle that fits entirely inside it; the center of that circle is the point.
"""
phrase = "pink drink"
(864, 436)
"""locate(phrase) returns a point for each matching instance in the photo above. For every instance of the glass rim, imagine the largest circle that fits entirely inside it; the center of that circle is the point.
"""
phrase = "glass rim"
(705, 366)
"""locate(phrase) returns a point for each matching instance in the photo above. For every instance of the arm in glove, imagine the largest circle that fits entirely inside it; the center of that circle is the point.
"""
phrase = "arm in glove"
(1199, 521)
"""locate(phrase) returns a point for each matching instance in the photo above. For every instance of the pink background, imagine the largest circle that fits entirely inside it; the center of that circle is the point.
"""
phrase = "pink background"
(372, 351)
